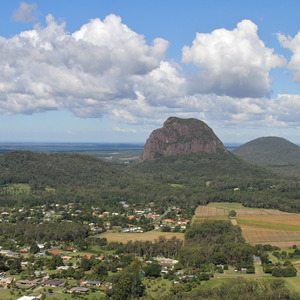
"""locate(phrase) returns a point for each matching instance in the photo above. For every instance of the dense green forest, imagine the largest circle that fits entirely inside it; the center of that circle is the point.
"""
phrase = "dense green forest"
(275, 153)
(185, 180)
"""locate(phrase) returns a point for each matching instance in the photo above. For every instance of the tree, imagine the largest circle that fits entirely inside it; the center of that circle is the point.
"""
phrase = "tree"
(232, 214)
(219, 258)
(100, 271)
(85, 264)
(153, 269)
(34, 248)
(127, 285)
(15, 266)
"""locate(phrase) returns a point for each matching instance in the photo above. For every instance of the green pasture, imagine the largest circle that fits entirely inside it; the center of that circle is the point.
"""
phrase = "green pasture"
(236, 206)
(293, 284)
(269, 225)
(227, 205)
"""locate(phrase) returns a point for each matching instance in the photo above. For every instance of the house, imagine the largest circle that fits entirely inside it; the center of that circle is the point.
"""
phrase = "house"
(41, 273)
(81, 290)
(12, 254)
(28, 298)
(70, 248)
(66, 257)
(28, 282)
(55, 252)
(61, 268)
(168, 221)
(53, 283)
(6, 281)
(40, 254)
(165, 260)
(91, 283)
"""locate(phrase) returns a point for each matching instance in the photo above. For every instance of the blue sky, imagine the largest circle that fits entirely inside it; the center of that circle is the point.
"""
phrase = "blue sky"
(113, 71)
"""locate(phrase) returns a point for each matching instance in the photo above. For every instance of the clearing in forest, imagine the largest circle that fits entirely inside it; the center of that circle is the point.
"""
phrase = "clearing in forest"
(259, 226)
(145, 236)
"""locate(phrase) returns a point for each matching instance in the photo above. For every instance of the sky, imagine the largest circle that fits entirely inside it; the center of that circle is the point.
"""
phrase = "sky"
(112, 71)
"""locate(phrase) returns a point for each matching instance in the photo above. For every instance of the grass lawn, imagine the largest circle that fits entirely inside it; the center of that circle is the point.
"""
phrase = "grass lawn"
(145, 236)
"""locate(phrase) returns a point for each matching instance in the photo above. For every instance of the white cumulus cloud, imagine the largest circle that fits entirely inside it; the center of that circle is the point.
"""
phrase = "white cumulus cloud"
(293, 44)
(234, 63)
(285, 109)
(86, 72)
(25, 13)
(106, 68)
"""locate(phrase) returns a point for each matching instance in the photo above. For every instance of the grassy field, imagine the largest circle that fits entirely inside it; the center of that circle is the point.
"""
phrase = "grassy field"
(145, 236)
(265, 226)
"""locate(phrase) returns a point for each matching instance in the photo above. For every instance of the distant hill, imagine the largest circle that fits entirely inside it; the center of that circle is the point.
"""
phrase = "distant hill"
(276, 153)
(181, 136)
(59, 169)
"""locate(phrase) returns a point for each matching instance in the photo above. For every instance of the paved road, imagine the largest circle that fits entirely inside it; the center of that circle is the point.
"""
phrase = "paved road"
(163, 215)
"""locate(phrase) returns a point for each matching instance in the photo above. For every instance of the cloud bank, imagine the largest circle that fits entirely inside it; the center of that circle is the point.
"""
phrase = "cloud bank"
(106, 68)
(234, 63)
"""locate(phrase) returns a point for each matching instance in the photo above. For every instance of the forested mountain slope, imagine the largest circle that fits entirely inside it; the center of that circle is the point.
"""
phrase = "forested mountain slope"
(57, 169)
(275, 153)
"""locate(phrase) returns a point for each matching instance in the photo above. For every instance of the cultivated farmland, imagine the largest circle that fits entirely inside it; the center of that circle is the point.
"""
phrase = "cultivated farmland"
(264, 226)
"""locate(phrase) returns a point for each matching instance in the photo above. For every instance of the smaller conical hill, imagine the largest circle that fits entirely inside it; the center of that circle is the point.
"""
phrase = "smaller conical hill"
(273, 152)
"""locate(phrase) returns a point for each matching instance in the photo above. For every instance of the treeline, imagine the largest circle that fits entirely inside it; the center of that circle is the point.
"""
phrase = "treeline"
(160, 247)
(240, 289)
(48, 231)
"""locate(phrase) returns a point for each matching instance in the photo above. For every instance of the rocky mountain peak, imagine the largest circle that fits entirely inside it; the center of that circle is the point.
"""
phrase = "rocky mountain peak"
(181, 136)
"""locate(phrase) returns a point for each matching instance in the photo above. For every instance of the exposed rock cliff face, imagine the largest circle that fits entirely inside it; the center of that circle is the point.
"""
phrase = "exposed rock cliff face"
(181, 136)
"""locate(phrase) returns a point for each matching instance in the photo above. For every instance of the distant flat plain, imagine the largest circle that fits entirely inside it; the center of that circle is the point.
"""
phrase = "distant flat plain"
(123, 153)
(115, 152)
